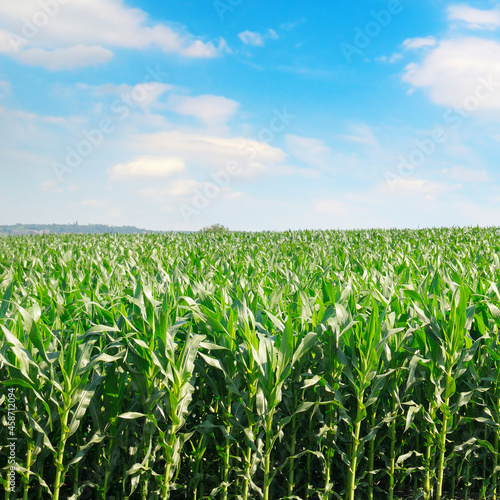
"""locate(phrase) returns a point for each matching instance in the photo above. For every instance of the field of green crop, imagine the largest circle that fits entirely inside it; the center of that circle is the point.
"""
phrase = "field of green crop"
(300, 365)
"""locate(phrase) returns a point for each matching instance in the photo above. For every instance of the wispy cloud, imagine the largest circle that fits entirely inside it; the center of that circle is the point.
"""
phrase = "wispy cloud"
(391, 59)
(309, 150)
(207, 152)
(417, 43)
(78, 56)
(147, 167)
(475, 18)
(361, 133)
(83, 33)
(257, 39)
(418, 187)
(461, 174)
(210, 109)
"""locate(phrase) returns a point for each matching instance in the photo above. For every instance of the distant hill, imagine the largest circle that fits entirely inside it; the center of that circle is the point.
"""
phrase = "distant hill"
(20, 229)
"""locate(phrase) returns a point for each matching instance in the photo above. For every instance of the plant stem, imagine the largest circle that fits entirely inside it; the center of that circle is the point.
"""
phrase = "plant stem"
(267, 456)
(442, 453)
(29, 458)
(308, 466)
(246, 480)
(351, 485)
(329, 454)
(107, 471)
(60, 455)
(371, 458)
(427, 483)
(168, 467)
(227, 458)
(392, 457)
(484, 485)
(144, 492)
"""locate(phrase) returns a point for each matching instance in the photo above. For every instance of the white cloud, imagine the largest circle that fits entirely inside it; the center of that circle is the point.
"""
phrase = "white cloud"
(475, 18)
(147, 167)
(25, 116)
(251, 38)
(95, 24)
(309, 150)
(257, 39)
(361, 133)
(144, 95)
(201, 49)
(212, 152)
(78, 56)
(210, 109)
(392, 59)
(417, 43)
(148, 93)
(183, 187)
(414, 187)
(454, 70)
(6, 42)
(462, 174)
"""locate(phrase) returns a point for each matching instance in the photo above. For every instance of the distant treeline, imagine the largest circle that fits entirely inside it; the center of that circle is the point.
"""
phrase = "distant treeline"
(19, 229)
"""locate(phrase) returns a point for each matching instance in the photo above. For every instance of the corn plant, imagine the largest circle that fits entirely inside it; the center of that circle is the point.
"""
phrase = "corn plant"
(295, 365)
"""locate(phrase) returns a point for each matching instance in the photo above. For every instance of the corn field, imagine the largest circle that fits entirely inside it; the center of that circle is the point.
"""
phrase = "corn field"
(297, 365)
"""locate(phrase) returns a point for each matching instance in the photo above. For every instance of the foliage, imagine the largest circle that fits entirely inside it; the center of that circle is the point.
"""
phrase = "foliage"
(349, 364)
(215, 228)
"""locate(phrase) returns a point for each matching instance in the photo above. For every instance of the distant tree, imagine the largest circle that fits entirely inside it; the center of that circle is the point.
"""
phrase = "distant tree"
(215, 228)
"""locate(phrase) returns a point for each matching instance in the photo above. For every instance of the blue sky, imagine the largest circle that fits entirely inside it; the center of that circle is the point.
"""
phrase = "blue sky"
(179, 114)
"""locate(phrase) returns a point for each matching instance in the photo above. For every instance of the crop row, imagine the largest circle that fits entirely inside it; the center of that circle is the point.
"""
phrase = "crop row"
(305, 365)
